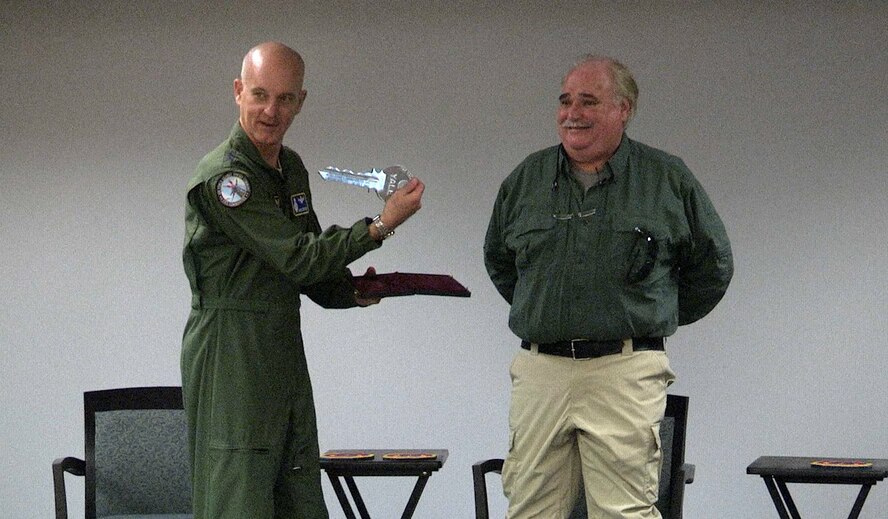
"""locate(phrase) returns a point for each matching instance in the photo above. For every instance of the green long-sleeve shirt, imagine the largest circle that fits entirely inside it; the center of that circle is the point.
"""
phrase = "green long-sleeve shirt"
(636, 256)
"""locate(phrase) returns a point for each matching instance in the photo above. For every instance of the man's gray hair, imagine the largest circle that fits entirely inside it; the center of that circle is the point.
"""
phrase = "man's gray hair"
(625, 86)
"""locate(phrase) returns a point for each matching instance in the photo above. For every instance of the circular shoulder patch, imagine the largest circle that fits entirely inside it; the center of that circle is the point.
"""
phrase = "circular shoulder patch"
(233, 189)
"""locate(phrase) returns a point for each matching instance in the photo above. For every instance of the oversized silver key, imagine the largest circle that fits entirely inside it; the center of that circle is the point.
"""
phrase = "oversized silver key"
(384, 182)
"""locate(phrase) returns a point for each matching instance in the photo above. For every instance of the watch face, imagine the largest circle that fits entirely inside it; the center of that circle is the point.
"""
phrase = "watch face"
(233, 189)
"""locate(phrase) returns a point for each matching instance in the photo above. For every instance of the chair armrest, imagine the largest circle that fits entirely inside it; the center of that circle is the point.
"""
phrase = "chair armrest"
(682, 476)
(73, 466)
(491, 465)
(687, 471)
(479, 470)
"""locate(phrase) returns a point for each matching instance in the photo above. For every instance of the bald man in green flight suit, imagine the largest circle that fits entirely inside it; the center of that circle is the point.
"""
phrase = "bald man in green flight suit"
(253, 245)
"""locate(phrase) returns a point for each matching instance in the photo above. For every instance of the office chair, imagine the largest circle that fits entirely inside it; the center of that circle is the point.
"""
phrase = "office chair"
(136, 458)
(674, 474)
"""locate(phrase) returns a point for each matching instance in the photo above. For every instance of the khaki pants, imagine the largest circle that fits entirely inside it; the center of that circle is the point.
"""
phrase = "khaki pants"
(594, 421)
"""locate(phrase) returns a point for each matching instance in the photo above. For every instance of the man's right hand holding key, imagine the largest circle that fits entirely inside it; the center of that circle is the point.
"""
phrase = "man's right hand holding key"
(400, 206)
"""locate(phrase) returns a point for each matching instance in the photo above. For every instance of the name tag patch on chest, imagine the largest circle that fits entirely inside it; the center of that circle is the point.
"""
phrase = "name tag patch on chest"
(300, 204)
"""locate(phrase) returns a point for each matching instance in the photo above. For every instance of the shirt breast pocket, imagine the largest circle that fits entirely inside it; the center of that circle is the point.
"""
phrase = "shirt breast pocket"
(639, 250)
(533, 238)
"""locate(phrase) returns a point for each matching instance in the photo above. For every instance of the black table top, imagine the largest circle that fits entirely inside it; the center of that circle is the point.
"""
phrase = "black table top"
(792, 469)
(378, 466)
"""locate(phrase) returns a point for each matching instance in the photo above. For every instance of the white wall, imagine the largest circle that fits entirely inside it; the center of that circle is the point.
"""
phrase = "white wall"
(780, 110)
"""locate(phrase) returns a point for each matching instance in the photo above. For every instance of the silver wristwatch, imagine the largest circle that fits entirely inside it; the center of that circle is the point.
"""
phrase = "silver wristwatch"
(384, 232)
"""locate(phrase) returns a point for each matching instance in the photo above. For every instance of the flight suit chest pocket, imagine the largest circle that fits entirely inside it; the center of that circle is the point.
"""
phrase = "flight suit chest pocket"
(534, 240)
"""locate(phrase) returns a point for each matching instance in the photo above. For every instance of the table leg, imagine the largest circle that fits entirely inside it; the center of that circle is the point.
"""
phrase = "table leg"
(359, 502)
(776, 497)
(858, 503)
(414, 496)
(790, 505)
(340, 494)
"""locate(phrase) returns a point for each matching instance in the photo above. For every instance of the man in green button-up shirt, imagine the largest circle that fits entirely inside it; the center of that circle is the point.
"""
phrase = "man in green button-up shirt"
(602, 246)
(253, 244)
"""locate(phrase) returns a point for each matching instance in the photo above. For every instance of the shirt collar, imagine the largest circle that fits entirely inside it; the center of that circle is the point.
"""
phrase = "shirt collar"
(614, 168)
(241, 142)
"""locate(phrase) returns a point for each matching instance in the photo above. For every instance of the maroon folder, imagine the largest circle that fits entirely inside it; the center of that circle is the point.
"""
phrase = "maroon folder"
(405, 284)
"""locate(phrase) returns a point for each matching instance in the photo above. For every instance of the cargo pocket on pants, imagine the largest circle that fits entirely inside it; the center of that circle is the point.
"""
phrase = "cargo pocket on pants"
(654, 465)
(511, 466)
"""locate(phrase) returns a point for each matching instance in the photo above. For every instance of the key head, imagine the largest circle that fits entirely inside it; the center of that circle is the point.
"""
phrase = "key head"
(396, 177)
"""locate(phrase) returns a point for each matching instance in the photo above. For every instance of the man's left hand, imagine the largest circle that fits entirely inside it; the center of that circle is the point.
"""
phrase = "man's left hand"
(367, 301)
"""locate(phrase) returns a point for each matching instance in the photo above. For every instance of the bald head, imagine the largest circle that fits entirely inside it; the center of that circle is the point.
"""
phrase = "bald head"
(272, 54)
(269, 94)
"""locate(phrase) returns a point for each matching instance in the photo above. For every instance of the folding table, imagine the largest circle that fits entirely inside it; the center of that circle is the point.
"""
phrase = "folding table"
(777, 471)
(348, 469)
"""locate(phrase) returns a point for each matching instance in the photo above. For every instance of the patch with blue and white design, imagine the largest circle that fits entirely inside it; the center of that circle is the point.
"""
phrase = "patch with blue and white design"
(233, 189)
(300, 204)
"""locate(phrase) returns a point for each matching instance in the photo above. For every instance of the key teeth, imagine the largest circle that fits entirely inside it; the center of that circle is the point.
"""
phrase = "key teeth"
(373, 171)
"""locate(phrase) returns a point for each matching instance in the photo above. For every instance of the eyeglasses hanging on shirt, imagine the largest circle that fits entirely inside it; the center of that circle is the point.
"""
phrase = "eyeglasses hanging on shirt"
(643, 255)
(604, 179)
(578, 214)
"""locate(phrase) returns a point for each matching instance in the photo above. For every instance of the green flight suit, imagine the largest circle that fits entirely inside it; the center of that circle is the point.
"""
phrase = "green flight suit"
(253, 244)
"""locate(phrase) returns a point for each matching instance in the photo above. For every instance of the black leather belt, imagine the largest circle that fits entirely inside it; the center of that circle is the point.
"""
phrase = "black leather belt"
(586, 349)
